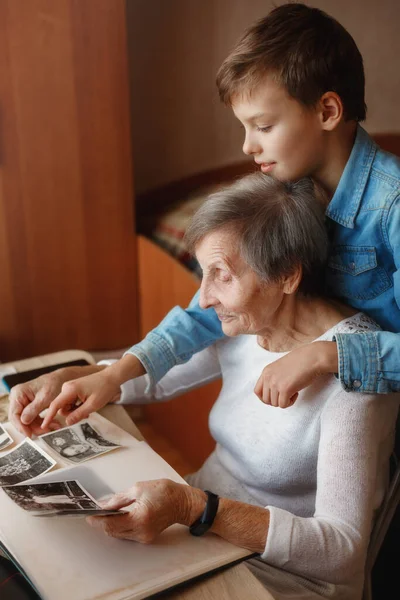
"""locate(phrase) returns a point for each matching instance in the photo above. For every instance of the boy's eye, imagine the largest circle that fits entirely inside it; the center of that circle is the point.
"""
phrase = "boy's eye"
(264, 129)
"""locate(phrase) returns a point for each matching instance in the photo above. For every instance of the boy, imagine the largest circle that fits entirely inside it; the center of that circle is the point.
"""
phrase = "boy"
(296, 83)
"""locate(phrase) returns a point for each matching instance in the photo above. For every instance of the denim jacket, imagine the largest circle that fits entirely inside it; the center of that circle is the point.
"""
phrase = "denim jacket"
(363, 270)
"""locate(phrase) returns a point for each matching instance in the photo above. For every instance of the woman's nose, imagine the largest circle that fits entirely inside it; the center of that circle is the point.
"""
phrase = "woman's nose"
(206, 299)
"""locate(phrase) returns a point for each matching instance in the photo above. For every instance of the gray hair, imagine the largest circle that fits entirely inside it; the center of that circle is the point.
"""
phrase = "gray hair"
(280, 226)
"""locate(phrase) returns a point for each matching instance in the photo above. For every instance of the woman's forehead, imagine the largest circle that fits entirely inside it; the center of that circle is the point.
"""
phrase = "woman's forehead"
(221, 245)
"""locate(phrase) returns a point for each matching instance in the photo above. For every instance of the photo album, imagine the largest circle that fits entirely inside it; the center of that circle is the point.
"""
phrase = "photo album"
(47, 486)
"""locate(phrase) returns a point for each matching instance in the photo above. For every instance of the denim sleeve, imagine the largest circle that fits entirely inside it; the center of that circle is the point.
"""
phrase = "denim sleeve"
(370, 362)
(180, 335)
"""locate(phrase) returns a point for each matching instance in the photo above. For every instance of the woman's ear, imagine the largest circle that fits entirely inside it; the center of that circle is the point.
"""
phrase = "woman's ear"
(291, 282)
(331, 110)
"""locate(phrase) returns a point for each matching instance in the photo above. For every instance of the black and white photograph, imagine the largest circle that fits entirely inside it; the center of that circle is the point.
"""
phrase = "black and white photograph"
(79, 442)
(55, 498)
(5, 439)
(24, 462)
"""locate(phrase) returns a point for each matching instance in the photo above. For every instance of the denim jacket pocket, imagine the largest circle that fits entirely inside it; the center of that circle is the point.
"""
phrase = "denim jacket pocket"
(353, 272)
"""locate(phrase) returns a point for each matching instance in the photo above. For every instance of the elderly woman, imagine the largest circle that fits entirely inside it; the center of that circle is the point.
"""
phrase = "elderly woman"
(297, 486)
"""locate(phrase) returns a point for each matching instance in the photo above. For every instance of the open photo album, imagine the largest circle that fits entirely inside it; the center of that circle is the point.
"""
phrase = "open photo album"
(64, 476)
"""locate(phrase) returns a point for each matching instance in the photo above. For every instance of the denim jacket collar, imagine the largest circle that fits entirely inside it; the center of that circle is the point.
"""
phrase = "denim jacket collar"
(346, 200)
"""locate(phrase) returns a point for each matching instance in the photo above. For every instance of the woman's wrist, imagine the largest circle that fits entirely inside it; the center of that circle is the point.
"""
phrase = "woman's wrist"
(192, 505)
(241, 524)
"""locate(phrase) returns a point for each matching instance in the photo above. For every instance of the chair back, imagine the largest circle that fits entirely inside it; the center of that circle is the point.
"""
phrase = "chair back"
(390, 505)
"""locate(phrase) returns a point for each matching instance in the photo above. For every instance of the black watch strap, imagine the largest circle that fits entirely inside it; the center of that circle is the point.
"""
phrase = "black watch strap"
(200, 526)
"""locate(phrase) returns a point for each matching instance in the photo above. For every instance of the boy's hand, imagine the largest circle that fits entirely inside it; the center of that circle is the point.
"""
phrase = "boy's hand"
(79, 398)
(282, 380)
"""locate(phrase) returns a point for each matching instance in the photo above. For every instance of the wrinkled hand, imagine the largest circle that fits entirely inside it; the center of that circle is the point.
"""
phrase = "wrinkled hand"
(281, 381)
(80, 397)
(157, 505)
(28, 400)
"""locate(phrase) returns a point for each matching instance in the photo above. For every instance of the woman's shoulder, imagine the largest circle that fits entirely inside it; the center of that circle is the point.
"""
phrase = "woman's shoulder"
(358, 323)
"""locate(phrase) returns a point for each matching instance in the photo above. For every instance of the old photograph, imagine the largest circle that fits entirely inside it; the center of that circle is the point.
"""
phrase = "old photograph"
(24, 462)
(79, 442)
(56, 498)
(5, 439)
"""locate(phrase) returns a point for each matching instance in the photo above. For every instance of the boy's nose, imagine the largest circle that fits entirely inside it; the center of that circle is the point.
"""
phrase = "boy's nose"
(250, 146)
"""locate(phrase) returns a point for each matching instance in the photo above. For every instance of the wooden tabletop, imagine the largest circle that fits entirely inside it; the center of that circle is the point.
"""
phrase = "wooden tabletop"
(233, 583)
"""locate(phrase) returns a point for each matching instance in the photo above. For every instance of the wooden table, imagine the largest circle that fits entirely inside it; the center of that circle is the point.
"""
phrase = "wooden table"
(233, 583)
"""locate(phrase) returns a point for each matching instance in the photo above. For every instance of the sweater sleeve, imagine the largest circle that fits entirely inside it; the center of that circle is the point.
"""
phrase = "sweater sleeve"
(201, 369)
(355, 444)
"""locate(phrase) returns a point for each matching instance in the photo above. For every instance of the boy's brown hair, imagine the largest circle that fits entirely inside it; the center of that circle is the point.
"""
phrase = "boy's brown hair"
(306, 50)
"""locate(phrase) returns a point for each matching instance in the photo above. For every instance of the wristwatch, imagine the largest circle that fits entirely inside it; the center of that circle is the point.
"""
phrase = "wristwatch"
(203, 524)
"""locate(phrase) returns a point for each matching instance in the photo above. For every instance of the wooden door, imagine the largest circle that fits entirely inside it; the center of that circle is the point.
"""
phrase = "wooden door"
(67, 241)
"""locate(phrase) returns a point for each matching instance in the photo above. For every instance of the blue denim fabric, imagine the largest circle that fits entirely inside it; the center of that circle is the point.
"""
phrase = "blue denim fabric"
(363, 270)
(180, 335)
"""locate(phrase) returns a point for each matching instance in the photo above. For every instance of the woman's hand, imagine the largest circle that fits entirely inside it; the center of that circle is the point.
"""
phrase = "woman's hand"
(156, 505)
(161, 503)
(28, 400)
(79, 398)
(281, 381)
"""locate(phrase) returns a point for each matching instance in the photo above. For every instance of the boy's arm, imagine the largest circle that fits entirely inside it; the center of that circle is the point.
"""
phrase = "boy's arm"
(370, 362)
(97, 390)
(180, 335)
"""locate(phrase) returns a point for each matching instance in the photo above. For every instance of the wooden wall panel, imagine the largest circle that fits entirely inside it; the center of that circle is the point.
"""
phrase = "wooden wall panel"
(68, 254)
(164, 283)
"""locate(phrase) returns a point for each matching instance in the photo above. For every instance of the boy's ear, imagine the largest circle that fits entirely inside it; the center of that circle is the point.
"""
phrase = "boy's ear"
(331, 110)
(292, 281)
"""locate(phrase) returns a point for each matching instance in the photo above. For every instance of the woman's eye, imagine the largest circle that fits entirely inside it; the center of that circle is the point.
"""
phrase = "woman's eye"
(264, 129)
(224, 276)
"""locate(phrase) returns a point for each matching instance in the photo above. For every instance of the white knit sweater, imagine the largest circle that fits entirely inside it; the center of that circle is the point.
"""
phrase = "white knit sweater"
(320, 466)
